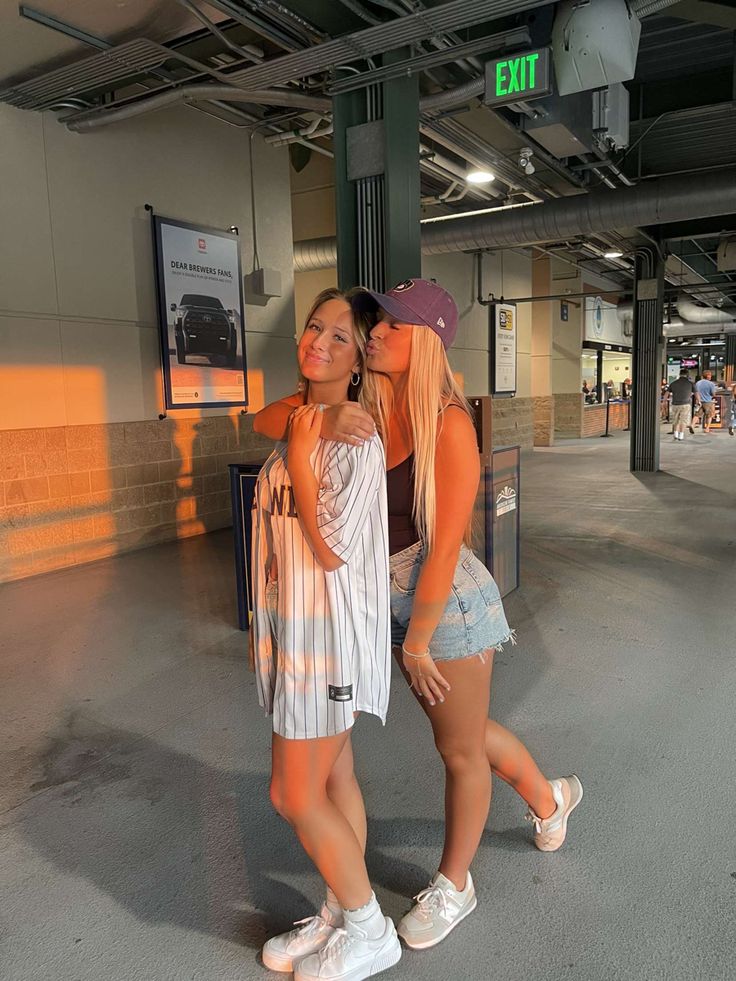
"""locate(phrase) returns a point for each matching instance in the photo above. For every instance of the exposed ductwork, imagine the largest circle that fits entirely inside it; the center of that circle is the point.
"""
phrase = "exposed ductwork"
(685, 329)
(315, 253)
(683, 325)
(649, 203)
(701, 315)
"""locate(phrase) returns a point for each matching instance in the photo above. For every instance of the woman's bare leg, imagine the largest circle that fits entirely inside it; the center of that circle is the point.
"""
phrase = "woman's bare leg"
(458, 724)
(301, 770)
(510, 760)
(344, 792)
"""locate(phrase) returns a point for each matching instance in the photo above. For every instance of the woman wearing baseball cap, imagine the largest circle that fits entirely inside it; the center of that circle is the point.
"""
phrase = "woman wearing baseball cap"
(446, 611)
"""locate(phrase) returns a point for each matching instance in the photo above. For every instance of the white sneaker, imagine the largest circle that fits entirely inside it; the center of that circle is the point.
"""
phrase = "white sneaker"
(312, 933)
(439, 909)
(549, 833)
(350, 955)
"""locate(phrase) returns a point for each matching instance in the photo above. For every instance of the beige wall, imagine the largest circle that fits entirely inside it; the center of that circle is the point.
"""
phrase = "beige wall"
(77, 305)
(505, 274)
(87, 469)
(312, 216)
(567, 336)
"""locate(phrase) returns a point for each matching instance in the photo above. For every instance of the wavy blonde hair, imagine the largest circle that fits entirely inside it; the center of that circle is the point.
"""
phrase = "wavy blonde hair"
(371, 391)
(430, 389)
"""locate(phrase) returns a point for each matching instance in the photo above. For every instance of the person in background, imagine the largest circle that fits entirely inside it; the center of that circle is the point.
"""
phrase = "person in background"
(626, 388)
(664, 400)
(705, 391)
(610, 390)
(586, 388)
(681, 393)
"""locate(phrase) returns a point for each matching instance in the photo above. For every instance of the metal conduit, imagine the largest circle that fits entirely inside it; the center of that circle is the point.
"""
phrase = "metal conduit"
(199, 93)
(652, 203)
(643, 8)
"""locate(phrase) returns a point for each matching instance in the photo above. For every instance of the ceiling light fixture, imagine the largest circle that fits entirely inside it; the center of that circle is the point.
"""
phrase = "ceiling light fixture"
(480, 177)
(613, 254)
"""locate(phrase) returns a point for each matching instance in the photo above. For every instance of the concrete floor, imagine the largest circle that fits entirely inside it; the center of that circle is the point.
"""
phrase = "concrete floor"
(136, 837)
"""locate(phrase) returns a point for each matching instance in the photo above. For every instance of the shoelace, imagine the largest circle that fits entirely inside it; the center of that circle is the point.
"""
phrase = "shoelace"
(430, 898)
(309, 925)
(536, 821)
(340, 940)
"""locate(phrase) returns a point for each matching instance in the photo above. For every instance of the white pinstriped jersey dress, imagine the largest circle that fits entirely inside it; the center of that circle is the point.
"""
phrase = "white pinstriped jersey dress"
(322, 640)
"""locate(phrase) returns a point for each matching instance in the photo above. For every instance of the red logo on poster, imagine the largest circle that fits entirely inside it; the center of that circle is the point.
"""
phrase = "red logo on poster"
(202, 245)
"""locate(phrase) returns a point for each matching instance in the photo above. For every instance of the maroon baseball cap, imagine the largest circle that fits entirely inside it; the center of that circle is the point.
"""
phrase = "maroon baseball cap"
(421, 302)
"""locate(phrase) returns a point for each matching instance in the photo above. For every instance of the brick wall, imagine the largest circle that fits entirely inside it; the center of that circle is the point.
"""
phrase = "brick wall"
(594, 418)
(74, 494)
(544, 420)
(569, 415)
(513, 422)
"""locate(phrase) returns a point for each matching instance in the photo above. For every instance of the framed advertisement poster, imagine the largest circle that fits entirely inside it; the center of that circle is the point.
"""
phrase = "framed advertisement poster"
(502, 323)
(200, 304)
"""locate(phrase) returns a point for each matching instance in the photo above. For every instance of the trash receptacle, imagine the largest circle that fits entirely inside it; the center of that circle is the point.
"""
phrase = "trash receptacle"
(243, 478)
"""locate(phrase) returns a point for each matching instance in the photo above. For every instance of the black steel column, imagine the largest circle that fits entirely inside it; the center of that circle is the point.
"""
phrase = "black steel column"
(730, 366)
(347, 111)
(376, 140)
(599, 375)
(647, 360)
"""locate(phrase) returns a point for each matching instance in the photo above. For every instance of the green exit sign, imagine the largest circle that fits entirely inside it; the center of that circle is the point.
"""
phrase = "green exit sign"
(518, 77)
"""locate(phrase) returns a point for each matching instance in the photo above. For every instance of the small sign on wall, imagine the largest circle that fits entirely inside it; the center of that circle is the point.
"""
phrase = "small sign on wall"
(502, 323)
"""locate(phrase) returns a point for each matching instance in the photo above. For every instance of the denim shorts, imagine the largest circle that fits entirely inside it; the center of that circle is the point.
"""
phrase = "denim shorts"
(473, 621)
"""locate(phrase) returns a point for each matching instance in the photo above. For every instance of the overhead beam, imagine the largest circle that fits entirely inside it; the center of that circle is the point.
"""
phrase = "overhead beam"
(393, 34)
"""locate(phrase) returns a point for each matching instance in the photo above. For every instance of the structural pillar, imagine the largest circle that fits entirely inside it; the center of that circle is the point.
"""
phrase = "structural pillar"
(376, 139)
(730, 365)
(543, 403)
(647, 360)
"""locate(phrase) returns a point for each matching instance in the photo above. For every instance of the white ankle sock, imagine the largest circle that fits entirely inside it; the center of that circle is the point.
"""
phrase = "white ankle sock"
(368, 917)
(333, 907)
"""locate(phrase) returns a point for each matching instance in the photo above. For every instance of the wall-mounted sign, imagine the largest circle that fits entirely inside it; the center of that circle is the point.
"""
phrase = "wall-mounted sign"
(502, 322)
(201, 323)
(518, 77)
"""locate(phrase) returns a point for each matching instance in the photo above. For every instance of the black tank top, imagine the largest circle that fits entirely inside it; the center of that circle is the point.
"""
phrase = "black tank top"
(400, 490)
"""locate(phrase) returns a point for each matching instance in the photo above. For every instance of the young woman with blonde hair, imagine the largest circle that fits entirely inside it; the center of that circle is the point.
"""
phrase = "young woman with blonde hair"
(447, 617)
(321, 643)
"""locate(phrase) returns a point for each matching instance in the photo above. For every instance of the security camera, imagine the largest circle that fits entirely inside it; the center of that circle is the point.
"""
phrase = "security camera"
(525, 160)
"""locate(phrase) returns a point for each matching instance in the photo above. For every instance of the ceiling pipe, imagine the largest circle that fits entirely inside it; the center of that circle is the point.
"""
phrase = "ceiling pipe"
(652, 203)
(200, 93)
(666, 200)
(643, 8)
(701, 315)
(683, 325)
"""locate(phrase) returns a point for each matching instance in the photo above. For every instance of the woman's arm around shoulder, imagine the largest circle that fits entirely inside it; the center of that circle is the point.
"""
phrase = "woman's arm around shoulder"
(272, 421)
(346, 422)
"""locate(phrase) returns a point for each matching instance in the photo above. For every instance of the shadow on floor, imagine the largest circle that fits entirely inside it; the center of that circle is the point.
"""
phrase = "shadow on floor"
(173, 839)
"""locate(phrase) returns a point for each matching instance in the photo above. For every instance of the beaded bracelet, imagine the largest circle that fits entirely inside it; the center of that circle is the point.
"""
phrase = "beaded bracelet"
(417, 656)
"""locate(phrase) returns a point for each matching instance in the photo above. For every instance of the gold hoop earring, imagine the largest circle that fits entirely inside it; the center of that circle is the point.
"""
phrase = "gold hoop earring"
(355, 379)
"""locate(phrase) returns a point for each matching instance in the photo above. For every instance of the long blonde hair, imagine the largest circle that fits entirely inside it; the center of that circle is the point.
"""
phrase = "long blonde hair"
(370, 392)
(430, 389)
